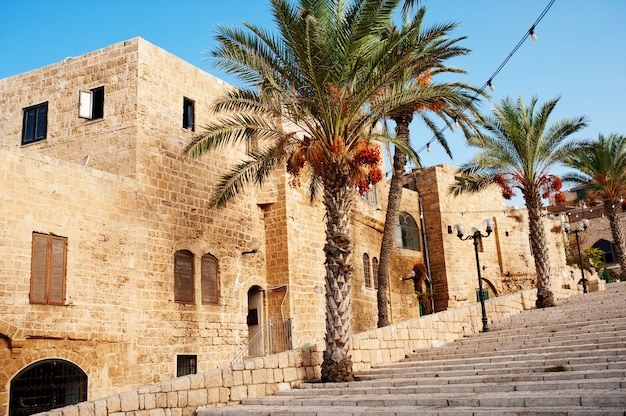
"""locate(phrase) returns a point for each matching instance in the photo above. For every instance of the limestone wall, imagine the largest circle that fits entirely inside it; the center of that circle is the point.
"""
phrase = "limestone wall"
(264, 376)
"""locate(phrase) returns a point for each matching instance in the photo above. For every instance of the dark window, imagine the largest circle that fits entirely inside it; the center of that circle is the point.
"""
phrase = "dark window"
(183, 277)
(91, 104)
(375, 271)
(188, 114)
(407, 233)
(209, 280)
(608, 248)
(47, 385)
(35, 124)
(186, 364)
(97, 111)
(47, 283)
(366, 270)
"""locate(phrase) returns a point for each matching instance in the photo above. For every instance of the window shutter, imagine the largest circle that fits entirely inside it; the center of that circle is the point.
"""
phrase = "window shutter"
(42, 122)
(57, 270)
(39, 266)
(84, 104)
(210, 282)
(183, 277)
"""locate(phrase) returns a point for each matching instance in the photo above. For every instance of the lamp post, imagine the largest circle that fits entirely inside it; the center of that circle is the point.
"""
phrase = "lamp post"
(568, 230)
(476, 237)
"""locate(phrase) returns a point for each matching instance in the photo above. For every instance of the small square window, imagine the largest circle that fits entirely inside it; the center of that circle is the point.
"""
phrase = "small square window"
(35, 123)
(186, 364)
(189, 114)
(91, 104)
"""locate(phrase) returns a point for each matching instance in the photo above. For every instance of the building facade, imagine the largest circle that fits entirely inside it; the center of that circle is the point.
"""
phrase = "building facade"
(115, 273)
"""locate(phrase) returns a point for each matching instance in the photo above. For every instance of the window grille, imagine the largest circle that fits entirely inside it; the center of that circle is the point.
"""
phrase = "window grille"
(186, 364)
(366, 270)
(47, 385)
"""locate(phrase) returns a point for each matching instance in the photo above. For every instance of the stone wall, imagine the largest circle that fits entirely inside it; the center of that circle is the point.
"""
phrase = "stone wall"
(266, 375)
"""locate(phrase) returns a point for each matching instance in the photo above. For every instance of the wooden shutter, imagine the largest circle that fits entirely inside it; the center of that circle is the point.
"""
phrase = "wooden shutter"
(183, 277)
(39, 269)
(209, 279)
(57, 270)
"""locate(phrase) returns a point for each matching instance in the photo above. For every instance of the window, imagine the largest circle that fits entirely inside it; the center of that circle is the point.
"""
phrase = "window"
(186, 364)
(407, 233)
(47, 283)
(35, 124)
(366, 270)
(91, 104)
(375, 271)
(209, 280)
(188, 114)
(371, 196)
(183, 277)
(47, 385)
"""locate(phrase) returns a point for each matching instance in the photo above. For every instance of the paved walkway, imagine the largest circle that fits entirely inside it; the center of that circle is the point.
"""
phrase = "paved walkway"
(569, 360)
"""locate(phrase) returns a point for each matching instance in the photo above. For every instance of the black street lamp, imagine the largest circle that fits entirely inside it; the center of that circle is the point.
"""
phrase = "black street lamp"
(568, 230)
(476, 237)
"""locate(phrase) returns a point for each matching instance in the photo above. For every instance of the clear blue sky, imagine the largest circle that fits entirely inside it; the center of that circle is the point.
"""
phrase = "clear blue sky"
(580, 53)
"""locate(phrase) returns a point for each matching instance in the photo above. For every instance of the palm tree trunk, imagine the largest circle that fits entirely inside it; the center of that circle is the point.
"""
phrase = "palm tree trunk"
(337, 364)
(539, 247)
(616, 230)
(391, 219)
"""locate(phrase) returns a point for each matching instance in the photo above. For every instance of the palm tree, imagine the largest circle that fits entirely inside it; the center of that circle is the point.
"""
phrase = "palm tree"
(445, 100)
(308, 102)
(517, 151)
(602, 171)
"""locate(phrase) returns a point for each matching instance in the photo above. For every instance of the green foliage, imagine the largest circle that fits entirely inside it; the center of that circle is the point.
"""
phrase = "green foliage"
(595, 257)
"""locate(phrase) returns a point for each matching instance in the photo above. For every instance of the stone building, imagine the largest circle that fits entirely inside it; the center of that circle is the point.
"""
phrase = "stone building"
(114, 273)
(598, 233)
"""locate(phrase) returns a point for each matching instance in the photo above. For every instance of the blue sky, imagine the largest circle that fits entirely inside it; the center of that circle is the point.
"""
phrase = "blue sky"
(580, 53)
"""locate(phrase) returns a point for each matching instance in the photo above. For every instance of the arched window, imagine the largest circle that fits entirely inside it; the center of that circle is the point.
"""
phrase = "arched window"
(608, 248)
(46, 385)
(209, 280)
(183, 277)
(366, 270)
(375, 271)
(407, 233)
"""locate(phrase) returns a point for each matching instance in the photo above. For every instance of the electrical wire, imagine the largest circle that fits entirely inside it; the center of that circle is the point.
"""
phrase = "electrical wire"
(489, 82)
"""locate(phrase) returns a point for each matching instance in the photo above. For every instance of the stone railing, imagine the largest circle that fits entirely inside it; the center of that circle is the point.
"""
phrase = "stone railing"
(265, 375)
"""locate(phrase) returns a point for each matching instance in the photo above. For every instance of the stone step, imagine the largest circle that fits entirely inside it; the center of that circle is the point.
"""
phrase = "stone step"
(494, 352)
(413, 386)
(409, 411)
(529, 365)
(569, 360)
(530, 398)
(610, 354)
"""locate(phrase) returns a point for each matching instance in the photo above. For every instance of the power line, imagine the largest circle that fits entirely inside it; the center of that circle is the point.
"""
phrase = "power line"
(489, 82)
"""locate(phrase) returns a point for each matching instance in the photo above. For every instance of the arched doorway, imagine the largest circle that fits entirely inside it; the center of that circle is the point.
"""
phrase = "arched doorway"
(255, 321)
(46, 385)
(610, 252)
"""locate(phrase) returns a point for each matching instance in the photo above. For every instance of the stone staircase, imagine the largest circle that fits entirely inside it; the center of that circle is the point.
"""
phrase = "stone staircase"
(568, 360)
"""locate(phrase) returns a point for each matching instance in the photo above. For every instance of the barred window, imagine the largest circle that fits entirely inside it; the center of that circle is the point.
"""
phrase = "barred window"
(375, 272)
(366, 270)
(186, 364)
